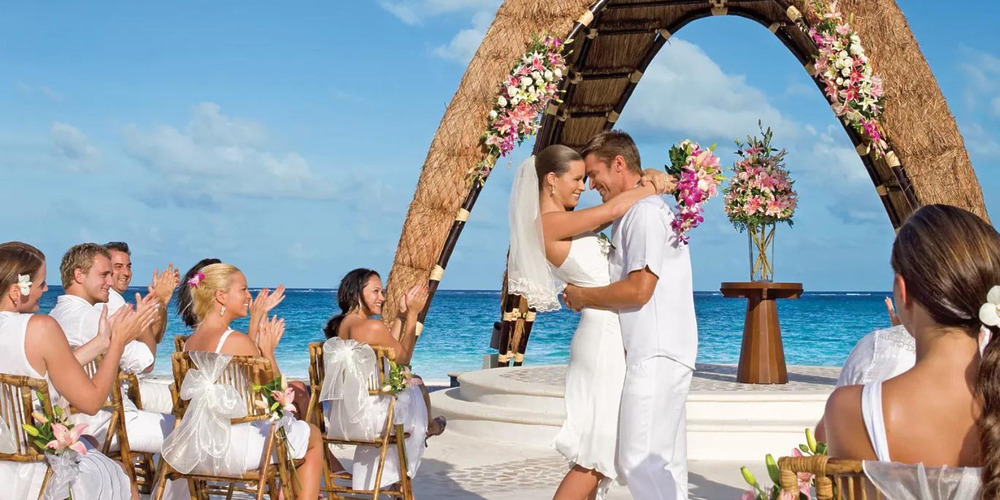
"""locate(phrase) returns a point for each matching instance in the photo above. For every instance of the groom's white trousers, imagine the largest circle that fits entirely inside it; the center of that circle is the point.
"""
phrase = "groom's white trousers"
(652, 441)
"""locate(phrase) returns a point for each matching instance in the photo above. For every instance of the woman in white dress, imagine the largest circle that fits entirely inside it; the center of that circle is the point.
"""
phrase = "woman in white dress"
(360, 296)
(547, 234)
(33, 345)
(217, 297)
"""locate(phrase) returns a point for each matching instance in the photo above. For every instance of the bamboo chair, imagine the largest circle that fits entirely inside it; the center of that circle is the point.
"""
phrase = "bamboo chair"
(836, 479)
(242, 373)
(138, 465)
(392, 434)
(16, 406)
(179, 342)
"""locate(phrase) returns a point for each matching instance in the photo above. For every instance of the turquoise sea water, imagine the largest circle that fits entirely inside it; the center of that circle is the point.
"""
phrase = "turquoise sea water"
(818, 329)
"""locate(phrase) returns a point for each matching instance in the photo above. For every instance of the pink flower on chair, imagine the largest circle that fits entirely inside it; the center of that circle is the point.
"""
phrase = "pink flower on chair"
(285, 399)
(67, 438)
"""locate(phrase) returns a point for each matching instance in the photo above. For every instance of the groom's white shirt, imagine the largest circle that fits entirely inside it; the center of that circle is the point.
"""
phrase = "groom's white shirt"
(666, 324)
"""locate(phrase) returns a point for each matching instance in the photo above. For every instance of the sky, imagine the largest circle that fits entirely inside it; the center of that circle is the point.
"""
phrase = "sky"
(287, 137)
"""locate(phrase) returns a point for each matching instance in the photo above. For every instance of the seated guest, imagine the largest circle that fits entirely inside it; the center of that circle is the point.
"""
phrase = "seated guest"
(162, 287)
(218, 295)
(360, 297)
(34, 345)
(86, 278)
(943, 411)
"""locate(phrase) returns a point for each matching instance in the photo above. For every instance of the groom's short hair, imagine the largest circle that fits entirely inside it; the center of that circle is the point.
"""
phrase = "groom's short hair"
(607, 145)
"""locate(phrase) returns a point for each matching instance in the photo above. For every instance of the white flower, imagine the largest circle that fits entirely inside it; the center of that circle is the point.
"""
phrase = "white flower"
(511, 91)
(526, 81)
(857, 50)
(548, 75)
(558, 72)
(515, 100)
(989, 313)
(386, 388)
(24, 283)
(502, 101)
(846, 72)
(493, 115)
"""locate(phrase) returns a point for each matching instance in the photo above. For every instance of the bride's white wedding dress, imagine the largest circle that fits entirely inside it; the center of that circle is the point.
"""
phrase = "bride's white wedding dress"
(589, 436)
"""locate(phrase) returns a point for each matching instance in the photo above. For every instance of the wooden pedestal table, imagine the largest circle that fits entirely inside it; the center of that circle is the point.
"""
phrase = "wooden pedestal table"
(762, 359)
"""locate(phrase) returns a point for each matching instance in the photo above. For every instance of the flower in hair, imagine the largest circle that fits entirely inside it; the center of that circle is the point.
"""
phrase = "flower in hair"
(196, 280)
(24, 283)
(989, 313)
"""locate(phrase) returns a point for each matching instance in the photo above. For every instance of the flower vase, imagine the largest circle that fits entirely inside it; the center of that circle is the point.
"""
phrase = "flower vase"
(761, 245)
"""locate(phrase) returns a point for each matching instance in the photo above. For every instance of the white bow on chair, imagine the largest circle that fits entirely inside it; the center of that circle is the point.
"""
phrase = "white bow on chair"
(65, 470)
(204, 432)
(7, 443)
(350, 367)
(915, 482)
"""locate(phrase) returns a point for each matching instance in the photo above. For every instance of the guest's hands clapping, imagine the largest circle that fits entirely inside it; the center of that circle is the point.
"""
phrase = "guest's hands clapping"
(891, 309)
(661, 181)
(261, 307)
(163, 284)
(269, 335)
(414, 300)
(126, 325)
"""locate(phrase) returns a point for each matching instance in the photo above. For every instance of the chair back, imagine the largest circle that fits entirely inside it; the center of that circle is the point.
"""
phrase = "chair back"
(316, 374)
(242, 373)
(16, 408)
(179, 342)
(836, 479)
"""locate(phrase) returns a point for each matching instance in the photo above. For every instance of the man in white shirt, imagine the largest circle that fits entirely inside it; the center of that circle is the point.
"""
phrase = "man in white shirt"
(162, 287)
(86, 279)
(653, 294)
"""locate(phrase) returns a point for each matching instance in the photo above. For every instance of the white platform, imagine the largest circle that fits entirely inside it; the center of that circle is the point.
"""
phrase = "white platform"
(726, 420)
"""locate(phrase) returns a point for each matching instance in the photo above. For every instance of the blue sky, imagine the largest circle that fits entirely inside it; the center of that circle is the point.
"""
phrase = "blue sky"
(287, 138)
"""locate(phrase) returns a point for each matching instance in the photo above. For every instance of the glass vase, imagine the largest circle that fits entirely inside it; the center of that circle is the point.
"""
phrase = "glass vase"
(760, 240)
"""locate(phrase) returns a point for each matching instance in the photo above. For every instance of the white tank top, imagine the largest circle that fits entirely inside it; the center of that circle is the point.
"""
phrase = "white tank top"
(13, 360)
(871, 412)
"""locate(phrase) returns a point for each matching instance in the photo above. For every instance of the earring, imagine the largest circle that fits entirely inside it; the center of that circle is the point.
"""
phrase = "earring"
(553, 189)
(222, 312)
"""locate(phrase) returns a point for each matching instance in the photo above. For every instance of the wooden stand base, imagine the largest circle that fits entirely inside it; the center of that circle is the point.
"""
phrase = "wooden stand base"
(762, 358)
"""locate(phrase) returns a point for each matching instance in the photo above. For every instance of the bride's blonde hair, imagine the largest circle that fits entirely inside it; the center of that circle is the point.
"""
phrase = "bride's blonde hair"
(202, 296)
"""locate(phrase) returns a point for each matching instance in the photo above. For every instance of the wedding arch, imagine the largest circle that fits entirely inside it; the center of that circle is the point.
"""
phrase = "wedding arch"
(613, 42)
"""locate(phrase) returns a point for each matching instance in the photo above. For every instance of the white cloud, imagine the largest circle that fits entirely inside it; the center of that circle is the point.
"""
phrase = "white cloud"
(415, 12)
(996, 106)
(981, 144)
(72, 144)
(216, 154)
(463, 46)
(683, 90)
(45, 90)
(982, 82)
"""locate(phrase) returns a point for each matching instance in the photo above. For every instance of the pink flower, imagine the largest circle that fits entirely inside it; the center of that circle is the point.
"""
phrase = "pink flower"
(285, 399)
(67, 438)
(748, 495)
(196, 280)
(752, 206)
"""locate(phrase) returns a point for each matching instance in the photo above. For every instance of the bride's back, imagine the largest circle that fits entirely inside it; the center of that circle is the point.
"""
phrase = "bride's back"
(587, 262)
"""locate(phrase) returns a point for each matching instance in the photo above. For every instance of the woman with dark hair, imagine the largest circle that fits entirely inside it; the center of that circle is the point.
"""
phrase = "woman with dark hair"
(360, 296)
(184, 294)
(945, 411)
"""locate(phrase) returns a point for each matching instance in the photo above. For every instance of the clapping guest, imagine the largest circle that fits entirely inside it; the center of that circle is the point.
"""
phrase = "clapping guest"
(162, 287)
(217, 295)
(943, 411)
(87, 279)
(34, 345)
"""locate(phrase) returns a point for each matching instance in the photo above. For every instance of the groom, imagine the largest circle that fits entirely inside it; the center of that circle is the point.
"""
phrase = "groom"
(652, 292)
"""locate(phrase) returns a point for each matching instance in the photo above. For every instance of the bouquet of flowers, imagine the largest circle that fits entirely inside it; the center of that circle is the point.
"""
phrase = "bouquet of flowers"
(277, 398)
(698, 177)
(853, 89)
(759, 195)
(400, 378)
(522, 97)
(760, 191)
(59, 440)
(773, 492)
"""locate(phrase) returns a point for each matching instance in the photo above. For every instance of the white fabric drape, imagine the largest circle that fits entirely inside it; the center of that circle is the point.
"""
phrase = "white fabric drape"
(350, 366)
(528, 271)
(7, 439)
(203, 437)
(915, 482)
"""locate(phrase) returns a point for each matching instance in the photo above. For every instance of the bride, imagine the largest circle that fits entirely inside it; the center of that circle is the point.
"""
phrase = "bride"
(547, 236)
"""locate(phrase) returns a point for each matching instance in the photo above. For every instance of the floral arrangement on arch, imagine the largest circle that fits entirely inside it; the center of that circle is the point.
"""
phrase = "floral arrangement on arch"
(760, 190)
(531, 86)
(774, 492)
(698, 177)
(854, 91)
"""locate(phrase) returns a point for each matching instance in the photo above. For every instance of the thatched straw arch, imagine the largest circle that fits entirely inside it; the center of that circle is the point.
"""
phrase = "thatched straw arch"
(614, 42)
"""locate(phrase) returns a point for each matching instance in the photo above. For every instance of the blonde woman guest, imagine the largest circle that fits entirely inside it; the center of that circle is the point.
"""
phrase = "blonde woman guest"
(549, 235)
(217, 296)
(945, 410)
(33, 345)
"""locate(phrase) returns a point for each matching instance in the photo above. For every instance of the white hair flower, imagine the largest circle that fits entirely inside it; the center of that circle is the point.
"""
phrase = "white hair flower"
(24, 283)
(989, 313)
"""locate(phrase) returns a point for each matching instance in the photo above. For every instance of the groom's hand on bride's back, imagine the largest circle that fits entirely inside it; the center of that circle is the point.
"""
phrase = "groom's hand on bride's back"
(571, 296)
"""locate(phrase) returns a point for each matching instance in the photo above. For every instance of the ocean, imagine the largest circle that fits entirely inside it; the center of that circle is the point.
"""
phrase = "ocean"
(818, 329)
